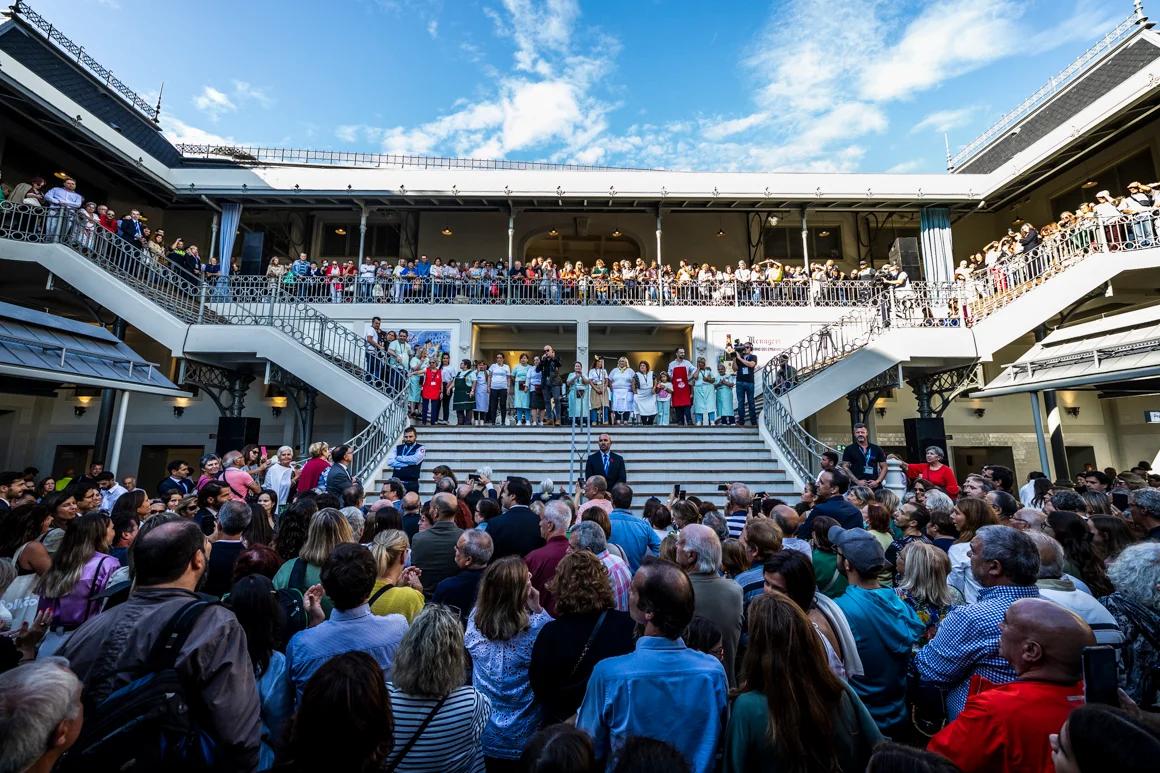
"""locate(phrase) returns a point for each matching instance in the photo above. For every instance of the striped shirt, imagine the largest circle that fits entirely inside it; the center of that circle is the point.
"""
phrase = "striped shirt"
(736, 523)
(450, 742)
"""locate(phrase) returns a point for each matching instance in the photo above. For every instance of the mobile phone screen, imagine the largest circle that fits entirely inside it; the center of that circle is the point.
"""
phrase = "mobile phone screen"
(1099, 675)
(676, 490)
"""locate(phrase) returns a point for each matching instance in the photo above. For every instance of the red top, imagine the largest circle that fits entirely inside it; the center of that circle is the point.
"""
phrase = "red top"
(682, 389)
(542, 564)
(943, 477)
(311, 472)
(1005, 727)
(432, 384)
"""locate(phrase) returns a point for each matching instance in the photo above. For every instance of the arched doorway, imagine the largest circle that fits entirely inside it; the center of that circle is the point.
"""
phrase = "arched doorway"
(586, 248)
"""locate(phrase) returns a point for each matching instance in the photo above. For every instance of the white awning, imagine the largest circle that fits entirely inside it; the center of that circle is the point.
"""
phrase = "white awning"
(1108, 353)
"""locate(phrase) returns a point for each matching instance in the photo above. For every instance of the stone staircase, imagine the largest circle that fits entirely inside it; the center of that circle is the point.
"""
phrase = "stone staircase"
(698, 458)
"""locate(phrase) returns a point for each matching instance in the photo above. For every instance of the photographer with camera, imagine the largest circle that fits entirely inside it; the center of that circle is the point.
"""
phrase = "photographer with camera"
(744, 366)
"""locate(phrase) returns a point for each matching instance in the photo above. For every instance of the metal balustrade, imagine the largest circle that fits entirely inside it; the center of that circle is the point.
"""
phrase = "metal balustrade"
(199, 303)
(933, 304)
(513, 291)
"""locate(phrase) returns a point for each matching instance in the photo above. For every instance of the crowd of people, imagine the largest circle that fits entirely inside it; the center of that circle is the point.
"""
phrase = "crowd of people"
(254, 614)
(537, 389)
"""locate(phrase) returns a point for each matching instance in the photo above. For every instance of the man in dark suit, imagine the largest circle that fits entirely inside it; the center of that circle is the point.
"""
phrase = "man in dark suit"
(338, 476)
(832, 487)
(178, 479)
(130, 229)
(516, 531)
(606, 463)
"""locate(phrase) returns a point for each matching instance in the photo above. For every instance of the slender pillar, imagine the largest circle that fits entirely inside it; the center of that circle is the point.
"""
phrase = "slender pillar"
(660, 259)
(1040, 441)
(309, 401)
(362, 235)
(581, 345)
(805, 242)
(213, 234)
(108, 401)
(511, 236)
(921, 389)
(119, 434)
(1054, 423)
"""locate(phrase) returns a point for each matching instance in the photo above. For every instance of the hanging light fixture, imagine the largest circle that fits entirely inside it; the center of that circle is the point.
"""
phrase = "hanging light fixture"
(553, 233)
(823, 234)
(720, 233)
(61, 175)
(340, 231)
(447, 231)
(1090, 184)
(616, 234)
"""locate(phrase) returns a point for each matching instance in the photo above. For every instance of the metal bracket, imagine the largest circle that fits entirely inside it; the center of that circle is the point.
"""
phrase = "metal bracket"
(860, 401)
(935, 391)
(226, 388)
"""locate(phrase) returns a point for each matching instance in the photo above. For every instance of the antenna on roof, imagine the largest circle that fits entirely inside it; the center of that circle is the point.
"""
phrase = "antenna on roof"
(157, 110)
(1141, 19)
(947, 143)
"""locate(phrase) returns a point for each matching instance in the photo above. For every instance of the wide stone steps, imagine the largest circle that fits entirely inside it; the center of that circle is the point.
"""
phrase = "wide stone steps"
(698, 459)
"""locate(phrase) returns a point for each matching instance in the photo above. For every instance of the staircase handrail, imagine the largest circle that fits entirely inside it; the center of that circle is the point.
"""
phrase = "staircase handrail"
(194, 303)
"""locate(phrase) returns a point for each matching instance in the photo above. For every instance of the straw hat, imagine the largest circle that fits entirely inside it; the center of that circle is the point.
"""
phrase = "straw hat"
(1103, 195)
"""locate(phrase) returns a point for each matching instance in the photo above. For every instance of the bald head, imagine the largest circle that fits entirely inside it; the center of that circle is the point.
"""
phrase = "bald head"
(787, 518)
(410, 501)
(1044, 641)
(445, 506)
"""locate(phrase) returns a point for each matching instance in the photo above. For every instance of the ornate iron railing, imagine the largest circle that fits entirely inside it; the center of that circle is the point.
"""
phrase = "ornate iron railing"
(931, 304)
(1053, 86)
(252, 154)
(507, 290)
(194, 303)
(99, 71)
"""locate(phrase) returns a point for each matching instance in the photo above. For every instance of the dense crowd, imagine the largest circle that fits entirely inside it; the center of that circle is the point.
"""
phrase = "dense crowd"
(258, 614)
(537, 390)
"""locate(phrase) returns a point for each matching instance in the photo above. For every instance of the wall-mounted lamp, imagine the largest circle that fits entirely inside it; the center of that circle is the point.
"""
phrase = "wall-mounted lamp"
(83, 402)
(980, 412)
(179, 406)
(553, 233)
(340, 231)
(720, 233)
(79, 411)
(277, 403)
(881, 411)
(616, 233)
(1072, 410)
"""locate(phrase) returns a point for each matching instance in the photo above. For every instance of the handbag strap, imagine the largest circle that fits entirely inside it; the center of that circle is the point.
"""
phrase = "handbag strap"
(588, 644)
(378, 593)
(415, 736)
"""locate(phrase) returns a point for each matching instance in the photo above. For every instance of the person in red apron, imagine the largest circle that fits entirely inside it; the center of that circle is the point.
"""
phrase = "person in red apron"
(432, 392)
(681, 371)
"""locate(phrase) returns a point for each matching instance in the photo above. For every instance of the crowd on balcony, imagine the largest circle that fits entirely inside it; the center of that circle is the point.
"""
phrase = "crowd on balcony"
(258, 615)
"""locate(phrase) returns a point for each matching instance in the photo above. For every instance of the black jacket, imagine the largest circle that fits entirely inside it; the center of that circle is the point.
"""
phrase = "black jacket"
(515, 532)
(616, 472)
(337, 480)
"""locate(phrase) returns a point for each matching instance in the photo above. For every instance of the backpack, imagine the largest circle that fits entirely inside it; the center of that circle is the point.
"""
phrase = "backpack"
(148, 724)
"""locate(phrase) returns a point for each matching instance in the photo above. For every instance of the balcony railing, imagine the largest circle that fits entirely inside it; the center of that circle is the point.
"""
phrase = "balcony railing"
(252, 154)
(508, 290)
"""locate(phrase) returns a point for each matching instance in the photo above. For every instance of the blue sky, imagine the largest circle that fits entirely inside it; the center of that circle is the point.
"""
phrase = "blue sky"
(758, 85)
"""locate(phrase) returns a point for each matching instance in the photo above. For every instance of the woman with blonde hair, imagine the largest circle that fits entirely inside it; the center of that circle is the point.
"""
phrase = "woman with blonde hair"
(315, 466)
(501, 631)
(327, 530)
(969, 516)
(438, 718)
(923, 569)
(397, 590)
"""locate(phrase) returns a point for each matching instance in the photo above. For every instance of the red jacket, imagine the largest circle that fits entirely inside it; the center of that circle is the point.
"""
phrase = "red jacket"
(1005, 727)
(943, 477)
(432, 384)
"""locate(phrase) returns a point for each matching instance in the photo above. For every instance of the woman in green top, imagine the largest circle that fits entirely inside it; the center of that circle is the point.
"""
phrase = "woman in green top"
(461, 398)
(397, 590)
(831, 580)
(704, 397)
(579, 401)
(522, 402)
(793, 714)
(328, 529)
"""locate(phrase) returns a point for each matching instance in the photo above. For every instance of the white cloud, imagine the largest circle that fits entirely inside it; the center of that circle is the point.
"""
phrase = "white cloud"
(247, 92)
(433, 28)
(906, 167)
(178, 131)
(727, 128)
(213, 103)
(944, 120)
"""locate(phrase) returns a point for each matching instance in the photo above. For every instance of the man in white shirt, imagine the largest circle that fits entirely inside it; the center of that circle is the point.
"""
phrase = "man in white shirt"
(111, 490)
(681, 360)
(366, 279)
(374, 349)
(499, 379)
(63, 199)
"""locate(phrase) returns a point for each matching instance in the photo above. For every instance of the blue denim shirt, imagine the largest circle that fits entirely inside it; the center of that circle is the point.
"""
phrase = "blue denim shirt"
(346, 631)
(643, 692)
(635, 535)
